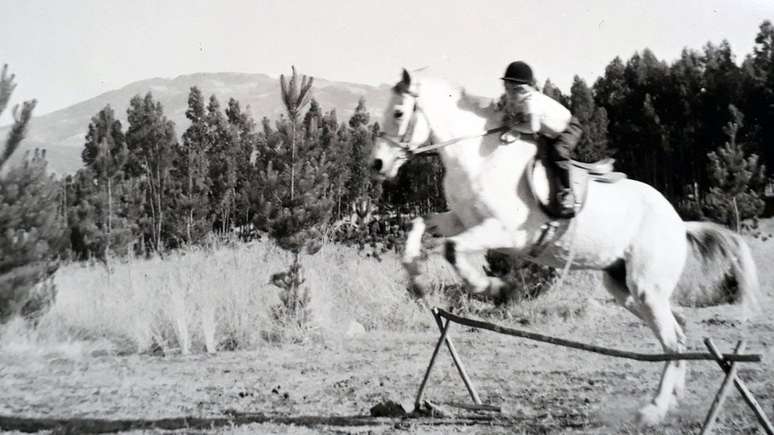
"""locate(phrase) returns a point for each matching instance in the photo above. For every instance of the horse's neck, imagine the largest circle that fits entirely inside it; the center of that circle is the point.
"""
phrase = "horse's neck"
(452, 115)
(459, 120)
(452, 122)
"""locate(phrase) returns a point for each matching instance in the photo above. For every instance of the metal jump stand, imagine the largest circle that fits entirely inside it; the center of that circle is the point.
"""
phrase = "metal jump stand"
(727, 363)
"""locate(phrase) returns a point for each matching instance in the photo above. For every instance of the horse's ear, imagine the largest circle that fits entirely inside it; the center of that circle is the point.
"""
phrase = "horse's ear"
(406, 78)
(404, 84)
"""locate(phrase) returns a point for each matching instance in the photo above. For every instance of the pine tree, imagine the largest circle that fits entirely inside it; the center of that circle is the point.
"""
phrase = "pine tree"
(593, 143)
(191, 170)
(293, 200)
(313, 116)
(610, 89)
(295, 96)
(361, 117)
(554, 92)
(686, 86)
(31, 230)
(759, 74)
(722, 86)
(736, 179)
(652, 137)
(294, 176)
(83, 207)
(241, 122)
(222, 151)
(358, 185)
(105, 153)
(335, 140)
(151, 141)
(21, 117)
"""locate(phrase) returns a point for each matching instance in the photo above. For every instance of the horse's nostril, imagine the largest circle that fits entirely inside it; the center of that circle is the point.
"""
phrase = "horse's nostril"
(377, 165)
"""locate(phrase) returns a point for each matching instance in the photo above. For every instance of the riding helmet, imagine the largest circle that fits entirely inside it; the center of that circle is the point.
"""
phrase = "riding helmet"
(519, 72)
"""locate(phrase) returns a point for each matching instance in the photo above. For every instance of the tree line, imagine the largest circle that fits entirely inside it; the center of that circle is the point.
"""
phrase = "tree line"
(143, 189)
(698, 129)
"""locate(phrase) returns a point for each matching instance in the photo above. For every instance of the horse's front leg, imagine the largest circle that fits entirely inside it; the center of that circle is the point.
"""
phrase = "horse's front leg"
(489, 234)
(439, 225)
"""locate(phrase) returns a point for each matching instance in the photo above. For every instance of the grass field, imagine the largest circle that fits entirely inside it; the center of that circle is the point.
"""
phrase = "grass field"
(198, 300)
(156, 332)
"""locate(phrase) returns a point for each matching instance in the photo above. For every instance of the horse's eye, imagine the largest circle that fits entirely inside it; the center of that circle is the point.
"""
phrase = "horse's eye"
(398, 114)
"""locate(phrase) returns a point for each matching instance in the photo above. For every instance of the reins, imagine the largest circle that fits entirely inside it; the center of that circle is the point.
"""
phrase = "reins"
(425, 148)
(430, 147)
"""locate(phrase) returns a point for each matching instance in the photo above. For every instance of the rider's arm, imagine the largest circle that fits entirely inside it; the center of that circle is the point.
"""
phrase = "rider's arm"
(528, 119)
(529, 124)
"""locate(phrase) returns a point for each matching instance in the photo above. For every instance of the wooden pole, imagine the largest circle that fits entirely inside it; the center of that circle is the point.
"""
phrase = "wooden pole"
(742, 388)
(444, 332)
(596, 349)
(457, 361)
(725, 387)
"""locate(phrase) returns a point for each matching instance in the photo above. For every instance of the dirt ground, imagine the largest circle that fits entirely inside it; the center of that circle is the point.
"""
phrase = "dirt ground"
(329, 386)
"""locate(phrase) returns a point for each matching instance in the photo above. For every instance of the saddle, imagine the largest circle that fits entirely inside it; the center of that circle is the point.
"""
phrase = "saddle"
(580, 176)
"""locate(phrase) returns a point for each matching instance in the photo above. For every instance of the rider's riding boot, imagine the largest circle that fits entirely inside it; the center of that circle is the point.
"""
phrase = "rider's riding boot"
(565, 197)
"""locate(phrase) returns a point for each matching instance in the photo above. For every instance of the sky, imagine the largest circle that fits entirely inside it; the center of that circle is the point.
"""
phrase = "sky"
(64, 52)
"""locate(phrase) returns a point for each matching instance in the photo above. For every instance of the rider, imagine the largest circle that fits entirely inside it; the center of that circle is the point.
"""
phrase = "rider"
(535, 113)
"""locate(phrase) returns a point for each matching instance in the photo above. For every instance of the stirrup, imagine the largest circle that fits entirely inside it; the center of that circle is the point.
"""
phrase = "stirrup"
(508, 137)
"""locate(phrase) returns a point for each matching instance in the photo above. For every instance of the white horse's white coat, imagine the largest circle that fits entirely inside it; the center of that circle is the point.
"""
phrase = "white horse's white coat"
(627, 229)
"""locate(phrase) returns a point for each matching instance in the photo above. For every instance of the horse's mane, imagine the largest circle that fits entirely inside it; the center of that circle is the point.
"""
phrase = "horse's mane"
(474, 104)
(439, 88)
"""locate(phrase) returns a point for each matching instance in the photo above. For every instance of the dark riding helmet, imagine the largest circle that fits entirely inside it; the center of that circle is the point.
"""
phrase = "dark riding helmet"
(519, 72)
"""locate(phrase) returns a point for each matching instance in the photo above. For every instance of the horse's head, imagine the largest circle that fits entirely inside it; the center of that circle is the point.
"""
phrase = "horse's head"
(405, 128)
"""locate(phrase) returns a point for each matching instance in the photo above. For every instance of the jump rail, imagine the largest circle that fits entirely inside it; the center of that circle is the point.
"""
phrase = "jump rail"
(727, 362)
(651, 357)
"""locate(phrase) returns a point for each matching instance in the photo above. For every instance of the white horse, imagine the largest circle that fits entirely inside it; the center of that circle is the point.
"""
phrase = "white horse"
(626, 229)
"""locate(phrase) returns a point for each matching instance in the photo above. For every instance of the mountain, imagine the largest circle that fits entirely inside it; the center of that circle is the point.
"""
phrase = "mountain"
(62, 132)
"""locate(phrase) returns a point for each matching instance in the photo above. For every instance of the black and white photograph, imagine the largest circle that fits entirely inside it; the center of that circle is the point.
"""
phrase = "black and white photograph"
(370, 217)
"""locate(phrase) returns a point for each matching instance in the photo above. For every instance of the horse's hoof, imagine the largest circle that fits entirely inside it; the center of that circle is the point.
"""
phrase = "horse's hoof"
(650, 415)
(496, 285)
(674, 400)
(679, 391)
(411, 265)
(499, 291)
(420, 286)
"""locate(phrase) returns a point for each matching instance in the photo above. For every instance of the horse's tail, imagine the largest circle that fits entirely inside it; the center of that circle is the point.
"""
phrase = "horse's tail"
(722, 257)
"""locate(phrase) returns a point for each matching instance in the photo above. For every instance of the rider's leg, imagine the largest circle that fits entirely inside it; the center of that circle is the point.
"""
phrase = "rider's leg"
(560, 151)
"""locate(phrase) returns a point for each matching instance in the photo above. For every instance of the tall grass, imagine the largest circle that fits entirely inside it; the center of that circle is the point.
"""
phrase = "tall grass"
(219, 298)
(205, 300)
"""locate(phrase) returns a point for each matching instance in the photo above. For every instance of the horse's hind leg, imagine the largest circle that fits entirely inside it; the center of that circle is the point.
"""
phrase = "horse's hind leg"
(439, 225)
(616, 286)
(663, 323)
(657, 314)
(650, 281)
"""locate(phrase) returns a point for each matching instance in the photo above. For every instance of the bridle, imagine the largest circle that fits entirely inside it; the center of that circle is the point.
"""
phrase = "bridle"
(401, 142)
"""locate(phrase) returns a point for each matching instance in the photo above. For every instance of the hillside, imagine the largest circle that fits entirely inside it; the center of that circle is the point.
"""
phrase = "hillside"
(62, 132)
